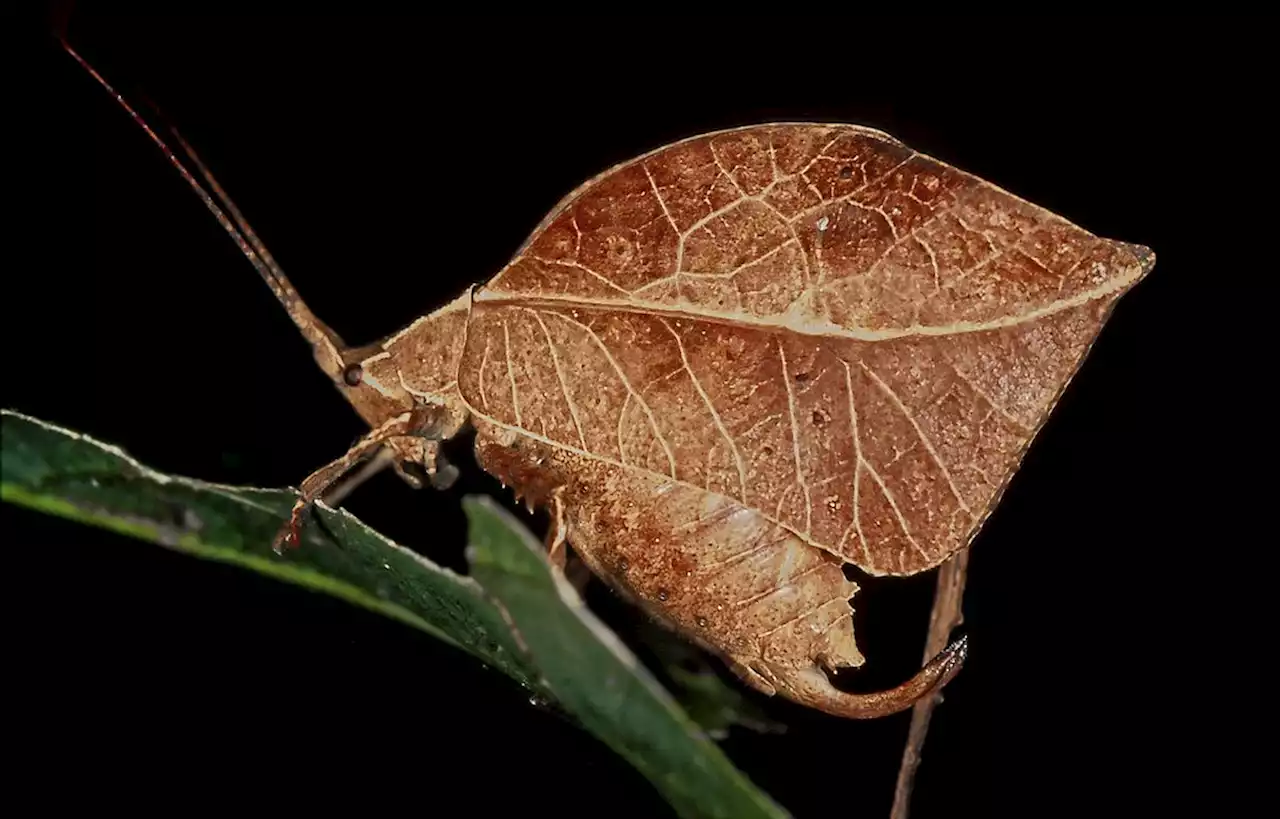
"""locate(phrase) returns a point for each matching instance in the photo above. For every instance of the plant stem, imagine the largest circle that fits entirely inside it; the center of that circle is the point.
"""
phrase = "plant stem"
(947, 614)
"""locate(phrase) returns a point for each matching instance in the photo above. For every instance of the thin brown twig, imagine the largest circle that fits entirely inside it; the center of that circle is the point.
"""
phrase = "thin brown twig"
(947, 614)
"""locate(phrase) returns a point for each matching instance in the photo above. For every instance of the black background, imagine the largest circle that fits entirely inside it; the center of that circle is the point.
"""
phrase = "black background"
(389, 163)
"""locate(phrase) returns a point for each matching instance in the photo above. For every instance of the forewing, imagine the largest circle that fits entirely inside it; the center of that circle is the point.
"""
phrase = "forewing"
(853, 339)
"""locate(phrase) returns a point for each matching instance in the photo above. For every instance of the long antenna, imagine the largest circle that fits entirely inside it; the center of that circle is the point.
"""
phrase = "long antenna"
(326, 343)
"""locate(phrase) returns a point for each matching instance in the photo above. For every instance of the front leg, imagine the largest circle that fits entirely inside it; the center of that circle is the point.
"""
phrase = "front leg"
(412, 437)
(317, 482)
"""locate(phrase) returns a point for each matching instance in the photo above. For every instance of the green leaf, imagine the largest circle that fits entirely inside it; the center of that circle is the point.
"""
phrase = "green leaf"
(708, 699)
(595, 676)
(514, 614)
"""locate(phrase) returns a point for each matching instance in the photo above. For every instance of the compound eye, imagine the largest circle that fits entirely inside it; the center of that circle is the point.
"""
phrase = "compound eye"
(353, 375)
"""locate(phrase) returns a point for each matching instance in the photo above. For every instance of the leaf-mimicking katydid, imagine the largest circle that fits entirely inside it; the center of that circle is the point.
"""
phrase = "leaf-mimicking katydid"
(733, 365)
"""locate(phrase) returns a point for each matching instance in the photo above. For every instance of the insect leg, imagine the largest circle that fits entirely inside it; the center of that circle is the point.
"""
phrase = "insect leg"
(575, 571)
(557, 532)
(317, 482)
(414, 457)
(337, 493)
(445, 474)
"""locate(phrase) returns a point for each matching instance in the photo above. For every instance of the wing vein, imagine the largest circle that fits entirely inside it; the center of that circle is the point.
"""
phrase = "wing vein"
(857, 467)
(658, 196)
(715, 416)
(631, 391)
(511, 374)
(924, 439)
(795, 441)
(564, 385)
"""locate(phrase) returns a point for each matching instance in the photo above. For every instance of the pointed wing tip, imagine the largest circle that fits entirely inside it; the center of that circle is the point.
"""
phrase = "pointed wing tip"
(1145, 256)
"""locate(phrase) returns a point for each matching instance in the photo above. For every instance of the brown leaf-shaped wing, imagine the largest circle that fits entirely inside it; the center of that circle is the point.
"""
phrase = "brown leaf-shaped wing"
(847, 338)
(720, 573)
(735, 363)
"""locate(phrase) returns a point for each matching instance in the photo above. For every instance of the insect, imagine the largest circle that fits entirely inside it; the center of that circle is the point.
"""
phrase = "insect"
(733, 365)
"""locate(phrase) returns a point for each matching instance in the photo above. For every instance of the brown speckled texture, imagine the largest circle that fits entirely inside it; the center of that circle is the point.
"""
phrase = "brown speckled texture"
(749, 357)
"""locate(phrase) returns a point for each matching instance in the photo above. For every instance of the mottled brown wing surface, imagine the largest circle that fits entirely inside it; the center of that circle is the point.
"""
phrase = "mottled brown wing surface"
(845, 336)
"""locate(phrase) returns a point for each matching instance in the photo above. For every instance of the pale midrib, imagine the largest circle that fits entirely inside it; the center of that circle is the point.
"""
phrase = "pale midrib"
(809, 328)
